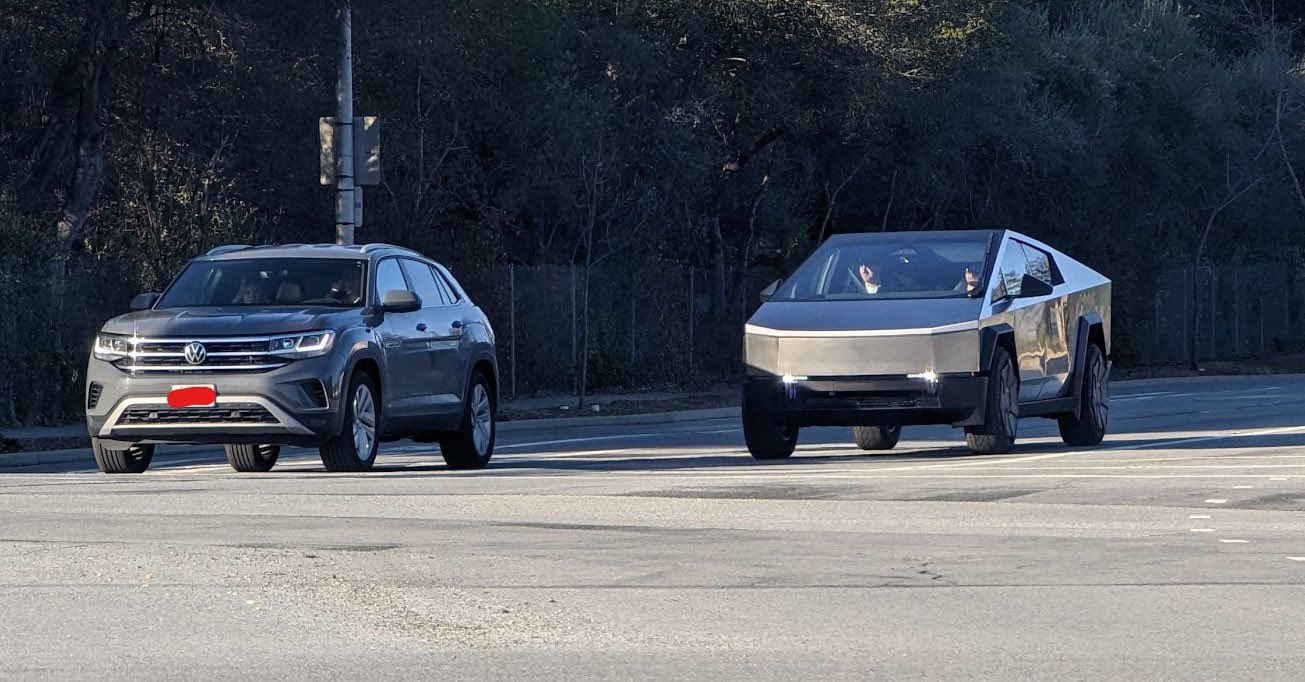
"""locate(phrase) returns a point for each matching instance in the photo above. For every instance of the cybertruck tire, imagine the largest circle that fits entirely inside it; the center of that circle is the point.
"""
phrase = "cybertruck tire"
(252, 457)
(472, 445)
(767, 436)
(354, 448)
(1089, 427)
(1001, 410)
(876, 437)
(133, 459)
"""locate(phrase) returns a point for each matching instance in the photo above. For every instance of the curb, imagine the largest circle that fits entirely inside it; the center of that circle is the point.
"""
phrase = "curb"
(15, 460)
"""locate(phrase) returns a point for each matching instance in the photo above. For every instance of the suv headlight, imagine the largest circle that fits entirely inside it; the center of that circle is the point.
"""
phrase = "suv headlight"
(113, 346)
(302, 345)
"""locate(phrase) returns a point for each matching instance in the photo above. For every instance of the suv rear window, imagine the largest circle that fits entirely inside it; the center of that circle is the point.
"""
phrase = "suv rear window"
(264, 282)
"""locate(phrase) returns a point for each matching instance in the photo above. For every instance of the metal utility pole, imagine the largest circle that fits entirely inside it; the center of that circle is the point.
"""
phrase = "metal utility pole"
(345, 220)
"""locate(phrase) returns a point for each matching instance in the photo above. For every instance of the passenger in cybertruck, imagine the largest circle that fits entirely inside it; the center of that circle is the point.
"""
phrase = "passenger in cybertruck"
(869, 278)
(968, 283)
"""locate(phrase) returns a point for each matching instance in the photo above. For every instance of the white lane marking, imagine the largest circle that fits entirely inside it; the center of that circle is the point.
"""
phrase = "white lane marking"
(1199, 516)
(1297, 558)
(1202, 530)
(1138, 396)
(1202, 439)
(1217, 501)
(1278, 478)
(1243, 487)
(1233, 542)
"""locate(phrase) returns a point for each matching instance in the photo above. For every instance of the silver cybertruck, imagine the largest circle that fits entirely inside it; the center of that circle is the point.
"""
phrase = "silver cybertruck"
(975, 329)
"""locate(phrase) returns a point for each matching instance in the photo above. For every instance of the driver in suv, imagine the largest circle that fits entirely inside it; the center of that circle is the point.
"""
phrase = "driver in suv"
(327, 346)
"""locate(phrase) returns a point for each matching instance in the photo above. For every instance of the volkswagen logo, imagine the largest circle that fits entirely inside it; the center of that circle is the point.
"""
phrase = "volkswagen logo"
(196, 353)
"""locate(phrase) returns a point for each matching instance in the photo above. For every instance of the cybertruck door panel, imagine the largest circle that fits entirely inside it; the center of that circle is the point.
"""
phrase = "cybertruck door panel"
(1052, 336)
(1024, 315)
(404, 345)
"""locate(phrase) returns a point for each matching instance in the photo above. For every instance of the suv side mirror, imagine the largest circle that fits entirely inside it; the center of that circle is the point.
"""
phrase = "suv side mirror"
(144, 301)
(1032, 287)
(400, 301)
(770, 290)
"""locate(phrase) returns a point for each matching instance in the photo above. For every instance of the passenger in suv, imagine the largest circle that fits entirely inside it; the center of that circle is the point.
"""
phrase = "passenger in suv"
(334, 347)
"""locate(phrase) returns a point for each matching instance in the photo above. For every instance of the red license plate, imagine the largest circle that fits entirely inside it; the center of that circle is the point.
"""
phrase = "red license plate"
(192, 396)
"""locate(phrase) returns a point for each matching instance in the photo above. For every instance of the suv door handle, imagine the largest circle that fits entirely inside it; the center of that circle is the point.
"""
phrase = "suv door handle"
(421, 327)
(457, 327)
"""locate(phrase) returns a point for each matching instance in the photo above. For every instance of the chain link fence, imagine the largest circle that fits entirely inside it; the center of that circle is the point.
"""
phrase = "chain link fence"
(647, 326)
(1240, 311)
(658, 326)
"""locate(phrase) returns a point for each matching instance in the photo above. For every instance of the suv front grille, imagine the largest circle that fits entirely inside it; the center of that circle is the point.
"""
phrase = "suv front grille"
(213, 346)
(220, 355)
(240, 413)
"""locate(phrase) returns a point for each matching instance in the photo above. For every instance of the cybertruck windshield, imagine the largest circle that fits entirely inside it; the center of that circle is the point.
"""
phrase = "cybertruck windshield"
(916, 265)
(264, 282)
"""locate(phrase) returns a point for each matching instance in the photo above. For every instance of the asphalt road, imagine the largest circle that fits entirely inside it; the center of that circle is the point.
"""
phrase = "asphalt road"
(1175, 551)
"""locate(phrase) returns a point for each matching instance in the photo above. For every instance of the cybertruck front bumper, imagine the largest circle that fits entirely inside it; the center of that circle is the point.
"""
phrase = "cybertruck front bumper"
(957, 399)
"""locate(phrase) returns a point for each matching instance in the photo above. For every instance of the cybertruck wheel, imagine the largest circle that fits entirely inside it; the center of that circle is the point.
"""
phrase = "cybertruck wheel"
(876, 437)
(252, 457)
(767, 436)
(472, 445)
(354, 448)
(1001, 418)
(1089, 427)
(133, 459)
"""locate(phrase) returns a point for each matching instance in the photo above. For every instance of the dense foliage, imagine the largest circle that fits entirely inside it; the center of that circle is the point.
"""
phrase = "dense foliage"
(728, 135)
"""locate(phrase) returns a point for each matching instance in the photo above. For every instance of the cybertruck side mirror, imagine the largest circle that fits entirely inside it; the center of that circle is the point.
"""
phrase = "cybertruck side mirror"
(770, 290)
(1032, 287)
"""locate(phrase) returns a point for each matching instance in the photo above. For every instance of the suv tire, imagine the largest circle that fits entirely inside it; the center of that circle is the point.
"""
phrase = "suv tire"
(876, 437)
(472, 445)
(1089, 427)
(252, 457)
(134, 459)
(1001, 410)
(354, 448)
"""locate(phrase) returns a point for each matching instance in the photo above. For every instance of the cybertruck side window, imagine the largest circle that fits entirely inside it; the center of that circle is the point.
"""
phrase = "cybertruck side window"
(1010, 272)
(1040, 263)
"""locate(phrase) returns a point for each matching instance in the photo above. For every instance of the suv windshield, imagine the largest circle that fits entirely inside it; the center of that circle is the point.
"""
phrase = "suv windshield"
(262, 282)
(892, 266)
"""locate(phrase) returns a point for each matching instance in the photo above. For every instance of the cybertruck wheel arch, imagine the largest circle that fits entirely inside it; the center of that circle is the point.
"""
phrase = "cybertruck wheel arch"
(992, 338)
(1090, 330)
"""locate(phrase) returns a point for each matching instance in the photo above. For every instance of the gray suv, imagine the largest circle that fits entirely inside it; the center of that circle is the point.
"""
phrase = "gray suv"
(326, 346)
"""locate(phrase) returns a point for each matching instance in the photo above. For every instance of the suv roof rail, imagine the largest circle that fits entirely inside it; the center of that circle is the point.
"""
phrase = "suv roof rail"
(368, 248)
(227, 249)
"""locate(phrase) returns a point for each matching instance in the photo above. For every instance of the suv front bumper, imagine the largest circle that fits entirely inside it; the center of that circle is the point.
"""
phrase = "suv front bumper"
(282, 406)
